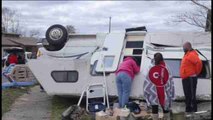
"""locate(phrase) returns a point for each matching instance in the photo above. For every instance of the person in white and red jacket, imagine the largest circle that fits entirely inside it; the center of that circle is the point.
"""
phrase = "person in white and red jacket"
(159, 92)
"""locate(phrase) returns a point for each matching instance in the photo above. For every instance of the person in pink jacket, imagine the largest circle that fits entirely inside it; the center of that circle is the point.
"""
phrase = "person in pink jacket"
(124, 76)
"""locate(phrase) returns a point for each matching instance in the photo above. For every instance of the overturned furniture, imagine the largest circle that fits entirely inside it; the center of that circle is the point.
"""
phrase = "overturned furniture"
(18, 76)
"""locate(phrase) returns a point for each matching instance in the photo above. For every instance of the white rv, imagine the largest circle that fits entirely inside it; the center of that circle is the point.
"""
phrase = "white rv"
(70, 62)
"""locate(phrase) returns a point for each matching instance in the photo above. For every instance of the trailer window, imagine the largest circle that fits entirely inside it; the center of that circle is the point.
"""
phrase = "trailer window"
(93, 71)
(205, 72)
(108, 61)
(137, 51)
(65, 76)
(134, 44)
(174, 67)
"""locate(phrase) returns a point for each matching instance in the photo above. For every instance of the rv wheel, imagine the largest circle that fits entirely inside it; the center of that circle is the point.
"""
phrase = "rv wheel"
(56, 34)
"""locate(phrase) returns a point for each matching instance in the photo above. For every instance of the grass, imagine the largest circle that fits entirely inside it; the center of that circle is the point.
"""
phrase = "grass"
(9, 96)
(60, 104)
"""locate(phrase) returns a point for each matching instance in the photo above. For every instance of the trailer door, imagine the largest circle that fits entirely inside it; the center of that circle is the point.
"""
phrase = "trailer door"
(113, 45)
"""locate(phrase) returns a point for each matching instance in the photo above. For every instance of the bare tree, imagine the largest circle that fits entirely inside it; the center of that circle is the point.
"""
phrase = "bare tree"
(23, 32)
(71, 29)
(201, 5)
(10, 20)
(201, 17)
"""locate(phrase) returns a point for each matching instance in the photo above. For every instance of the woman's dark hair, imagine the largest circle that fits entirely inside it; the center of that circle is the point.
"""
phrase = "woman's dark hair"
(158, 57)
(136, 60)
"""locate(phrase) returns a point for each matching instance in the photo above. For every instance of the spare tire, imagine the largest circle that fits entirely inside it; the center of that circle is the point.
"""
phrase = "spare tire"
(56, 35)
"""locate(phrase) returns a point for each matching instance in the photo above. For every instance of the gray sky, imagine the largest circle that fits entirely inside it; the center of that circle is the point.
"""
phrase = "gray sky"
(93, 16)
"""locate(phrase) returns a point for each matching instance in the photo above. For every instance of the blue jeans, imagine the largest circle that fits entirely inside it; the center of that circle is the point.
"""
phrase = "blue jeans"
(123, 82)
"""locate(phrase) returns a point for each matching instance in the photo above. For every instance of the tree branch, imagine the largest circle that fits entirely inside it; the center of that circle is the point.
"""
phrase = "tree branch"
(195, 2)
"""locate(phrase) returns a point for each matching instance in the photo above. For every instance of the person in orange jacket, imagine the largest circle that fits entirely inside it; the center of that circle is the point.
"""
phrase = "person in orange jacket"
(190, 68)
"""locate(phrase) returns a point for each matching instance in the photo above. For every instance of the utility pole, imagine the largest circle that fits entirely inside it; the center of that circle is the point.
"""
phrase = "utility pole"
(109, 24)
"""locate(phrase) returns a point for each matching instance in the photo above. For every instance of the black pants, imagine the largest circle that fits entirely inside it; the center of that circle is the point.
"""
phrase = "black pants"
(155, 109)
(189, 88)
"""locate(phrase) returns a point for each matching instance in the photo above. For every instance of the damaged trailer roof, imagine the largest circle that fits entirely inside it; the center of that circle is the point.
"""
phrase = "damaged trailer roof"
(179, 38)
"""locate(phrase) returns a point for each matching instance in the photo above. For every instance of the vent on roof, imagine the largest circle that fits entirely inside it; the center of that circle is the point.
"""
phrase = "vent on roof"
(143, 28)
(160, 45)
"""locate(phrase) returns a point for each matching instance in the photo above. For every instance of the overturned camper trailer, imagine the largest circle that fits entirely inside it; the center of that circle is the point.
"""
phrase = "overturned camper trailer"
(66, 68)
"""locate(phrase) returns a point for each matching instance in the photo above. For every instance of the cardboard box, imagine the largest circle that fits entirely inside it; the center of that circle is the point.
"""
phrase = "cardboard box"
(119, 112)
(141, 114)
(106, 118)
(103, 116)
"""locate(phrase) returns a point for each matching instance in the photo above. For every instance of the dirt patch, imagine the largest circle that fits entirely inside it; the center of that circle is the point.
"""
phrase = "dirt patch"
(35, 105)
(9, 96)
